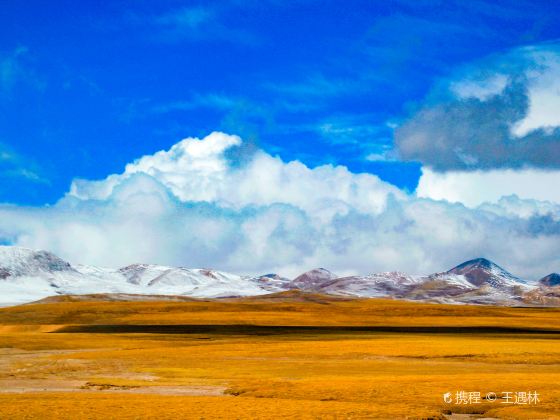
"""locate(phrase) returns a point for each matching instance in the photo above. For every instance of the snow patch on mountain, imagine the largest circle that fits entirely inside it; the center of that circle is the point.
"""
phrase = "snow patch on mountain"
(313, 280)
(481, 271)
(27, 275)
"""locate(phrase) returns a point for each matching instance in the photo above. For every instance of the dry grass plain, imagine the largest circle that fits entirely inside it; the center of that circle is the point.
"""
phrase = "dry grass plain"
(286, 356)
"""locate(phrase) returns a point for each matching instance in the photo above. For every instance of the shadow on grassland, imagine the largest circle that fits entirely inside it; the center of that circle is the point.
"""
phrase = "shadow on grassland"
(287, 330)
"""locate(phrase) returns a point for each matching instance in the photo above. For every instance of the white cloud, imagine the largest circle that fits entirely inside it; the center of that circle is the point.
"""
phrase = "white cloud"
(543, 91)
(192, 169)
(513, 207)
(497, 113)
(481, 89)
(195, 206)
(476, 187)
(537, 66)
(199, 171)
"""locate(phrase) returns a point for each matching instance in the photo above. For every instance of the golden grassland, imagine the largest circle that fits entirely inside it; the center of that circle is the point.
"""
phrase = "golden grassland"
(173, 370)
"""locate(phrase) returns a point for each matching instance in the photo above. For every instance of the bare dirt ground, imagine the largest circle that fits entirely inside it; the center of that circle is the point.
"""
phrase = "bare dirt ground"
(16, 365)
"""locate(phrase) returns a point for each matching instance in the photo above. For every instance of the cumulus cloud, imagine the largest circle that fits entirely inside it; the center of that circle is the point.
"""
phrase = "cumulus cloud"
(477, 187)
(500, 113)
(199, 171)
(192, 206)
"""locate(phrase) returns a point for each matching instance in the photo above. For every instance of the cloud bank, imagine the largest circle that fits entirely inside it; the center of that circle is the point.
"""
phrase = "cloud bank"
(193, 205)
(489, 130)
(477, 187)
(498, 114)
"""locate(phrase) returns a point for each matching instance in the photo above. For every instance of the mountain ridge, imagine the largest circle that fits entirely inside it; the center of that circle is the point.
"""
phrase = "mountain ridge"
(27, 275)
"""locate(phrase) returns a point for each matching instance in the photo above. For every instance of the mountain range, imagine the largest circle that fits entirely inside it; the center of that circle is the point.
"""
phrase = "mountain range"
(27, 275)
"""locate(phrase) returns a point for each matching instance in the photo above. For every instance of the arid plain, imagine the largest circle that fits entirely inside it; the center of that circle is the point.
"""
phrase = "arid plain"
(289, 355)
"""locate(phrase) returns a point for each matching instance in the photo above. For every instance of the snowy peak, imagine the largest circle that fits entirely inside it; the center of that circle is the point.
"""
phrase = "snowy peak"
(551, 280)
(313, 279)
(481, 271)
(17, 261)
(374, 285)
(396, 277)
(272, 282)
(200, 282)
(143, 274)
(27, 275)
(477, 262)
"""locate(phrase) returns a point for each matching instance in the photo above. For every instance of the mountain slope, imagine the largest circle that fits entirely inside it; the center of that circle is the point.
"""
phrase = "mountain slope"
(27, 275)
(551, 280)
(374, 285)
(481, 271)
(313, 280)
(16, 261)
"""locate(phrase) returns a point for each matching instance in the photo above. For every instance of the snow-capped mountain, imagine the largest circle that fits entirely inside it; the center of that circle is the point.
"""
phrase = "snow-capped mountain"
(27, 275)
(481, 271)
(312, 280)
(16, 261)
(373, 285)
(551, 280)
(478, 281)
(272, 282)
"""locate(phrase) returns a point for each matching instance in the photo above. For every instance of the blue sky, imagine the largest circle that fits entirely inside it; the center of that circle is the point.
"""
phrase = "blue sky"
(86, 87)
(269, 136)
